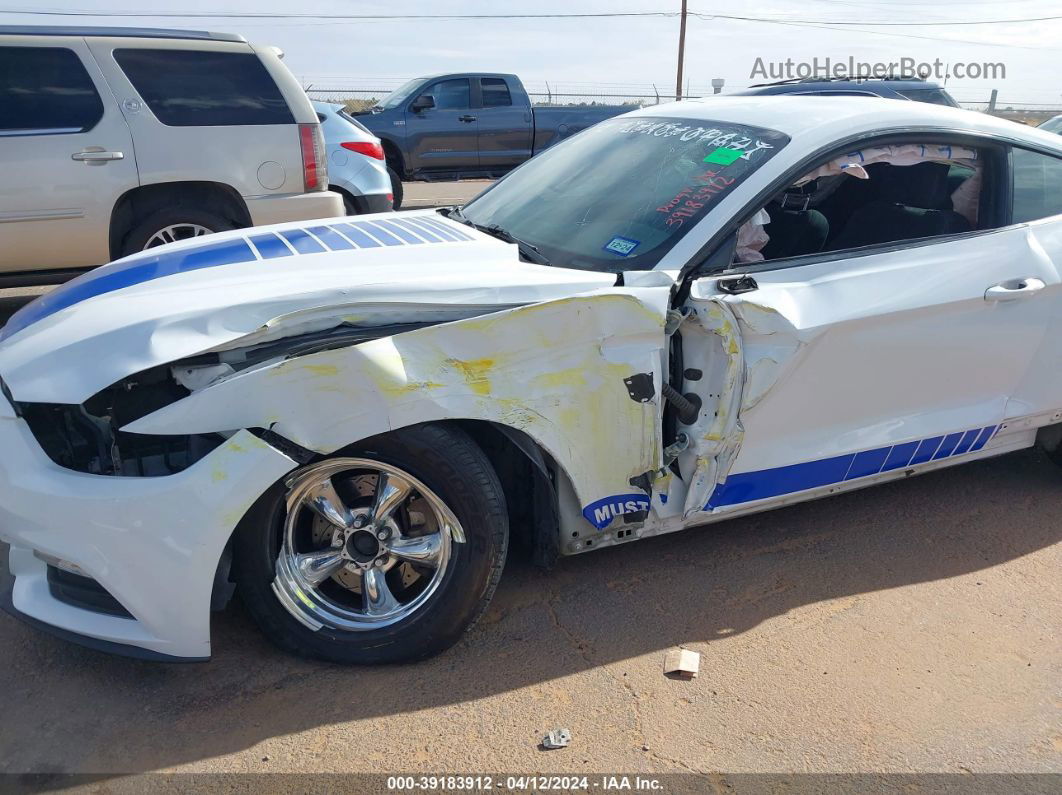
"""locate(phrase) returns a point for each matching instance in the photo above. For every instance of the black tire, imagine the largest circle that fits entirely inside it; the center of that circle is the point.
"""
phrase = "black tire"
(137, 237)
(349, 207)
(447, 461)
(396, 188)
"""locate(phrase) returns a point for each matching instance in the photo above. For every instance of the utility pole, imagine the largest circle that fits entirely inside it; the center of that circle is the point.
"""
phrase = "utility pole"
(681, 52)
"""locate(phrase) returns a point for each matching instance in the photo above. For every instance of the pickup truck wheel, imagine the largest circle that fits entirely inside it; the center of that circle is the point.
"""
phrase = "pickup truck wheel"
(170, 225)
(385, 552)
(396, 188)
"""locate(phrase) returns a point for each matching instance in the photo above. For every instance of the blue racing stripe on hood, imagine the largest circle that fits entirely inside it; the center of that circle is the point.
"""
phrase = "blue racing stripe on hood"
(314, 240)
(126, 274)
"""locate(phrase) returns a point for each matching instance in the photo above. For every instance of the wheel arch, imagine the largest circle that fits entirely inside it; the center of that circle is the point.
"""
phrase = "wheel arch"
(534, 482)
(394, 156)
(137, 203)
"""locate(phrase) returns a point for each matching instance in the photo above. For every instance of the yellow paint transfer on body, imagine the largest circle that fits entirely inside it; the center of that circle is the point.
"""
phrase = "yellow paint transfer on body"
(475, 373)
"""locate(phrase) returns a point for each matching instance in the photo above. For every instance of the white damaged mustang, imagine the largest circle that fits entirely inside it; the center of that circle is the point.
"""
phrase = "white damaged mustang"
(688, 313)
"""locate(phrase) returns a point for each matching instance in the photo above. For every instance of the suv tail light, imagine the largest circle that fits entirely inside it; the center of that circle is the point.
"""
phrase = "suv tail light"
(314, 175)
(367, 148)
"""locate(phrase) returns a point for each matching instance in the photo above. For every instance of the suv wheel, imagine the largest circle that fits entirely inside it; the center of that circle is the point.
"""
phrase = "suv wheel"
(170, 225)
(384, 552)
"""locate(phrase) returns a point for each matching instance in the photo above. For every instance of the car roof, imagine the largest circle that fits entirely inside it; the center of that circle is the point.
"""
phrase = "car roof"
(139, 33)
(815, 118)
(468, 74)
(850, 82)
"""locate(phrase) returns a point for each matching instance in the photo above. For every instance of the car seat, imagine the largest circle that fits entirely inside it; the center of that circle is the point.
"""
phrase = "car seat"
(908, 205)
(795, 229)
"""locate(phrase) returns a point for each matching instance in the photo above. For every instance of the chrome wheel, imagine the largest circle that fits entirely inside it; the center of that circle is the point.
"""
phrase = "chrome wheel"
(365, 545)
(175, 232)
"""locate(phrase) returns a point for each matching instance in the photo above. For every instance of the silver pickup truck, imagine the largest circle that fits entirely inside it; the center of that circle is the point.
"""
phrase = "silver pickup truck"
(471, 124)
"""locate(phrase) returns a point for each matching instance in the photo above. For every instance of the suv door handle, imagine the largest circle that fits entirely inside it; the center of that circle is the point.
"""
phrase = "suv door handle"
(466, 118)
(1013, 289)
(96, 156)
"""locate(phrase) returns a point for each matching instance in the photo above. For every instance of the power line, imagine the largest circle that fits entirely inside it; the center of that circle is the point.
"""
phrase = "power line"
(330, 16)
(938, 39)
(876, 24)
(570, 15)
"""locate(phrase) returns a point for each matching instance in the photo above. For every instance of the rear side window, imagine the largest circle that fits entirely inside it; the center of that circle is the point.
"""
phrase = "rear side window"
(495, 93)
(46, 90)
(1037, 185)
(193, 88)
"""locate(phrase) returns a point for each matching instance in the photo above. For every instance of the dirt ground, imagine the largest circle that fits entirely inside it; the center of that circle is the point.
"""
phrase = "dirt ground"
(910, 627)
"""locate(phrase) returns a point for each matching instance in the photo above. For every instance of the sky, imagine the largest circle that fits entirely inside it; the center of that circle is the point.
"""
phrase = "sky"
(628, 54)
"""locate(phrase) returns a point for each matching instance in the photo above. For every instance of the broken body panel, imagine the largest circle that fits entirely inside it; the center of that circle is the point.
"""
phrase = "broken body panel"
(826, 377)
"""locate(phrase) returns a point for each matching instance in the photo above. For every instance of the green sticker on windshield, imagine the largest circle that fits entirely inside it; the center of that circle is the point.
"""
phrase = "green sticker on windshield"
(723, 157)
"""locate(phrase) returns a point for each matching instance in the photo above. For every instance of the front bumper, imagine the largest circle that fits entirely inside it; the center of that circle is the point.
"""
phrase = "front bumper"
(294, 207)
(153, 543)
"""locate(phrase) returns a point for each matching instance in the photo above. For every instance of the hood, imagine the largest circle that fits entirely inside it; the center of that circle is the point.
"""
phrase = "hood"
(251, 285)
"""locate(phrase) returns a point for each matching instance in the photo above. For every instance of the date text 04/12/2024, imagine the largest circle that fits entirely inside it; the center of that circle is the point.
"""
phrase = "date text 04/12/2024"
(527, 783)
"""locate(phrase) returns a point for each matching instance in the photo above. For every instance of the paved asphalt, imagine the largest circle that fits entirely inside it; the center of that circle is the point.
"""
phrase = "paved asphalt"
(909, 627)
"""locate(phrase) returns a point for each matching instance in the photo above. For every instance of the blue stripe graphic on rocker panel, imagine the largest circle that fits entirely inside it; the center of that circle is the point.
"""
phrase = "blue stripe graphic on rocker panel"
(764, 483)
(601, 512)
(116, 277)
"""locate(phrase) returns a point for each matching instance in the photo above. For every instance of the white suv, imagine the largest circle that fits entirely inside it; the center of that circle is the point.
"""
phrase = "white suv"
(113, 140)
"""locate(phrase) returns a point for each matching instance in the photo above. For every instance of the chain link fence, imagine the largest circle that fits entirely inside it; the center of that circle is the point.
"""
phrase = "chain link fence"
(356, 99)
(360, 99)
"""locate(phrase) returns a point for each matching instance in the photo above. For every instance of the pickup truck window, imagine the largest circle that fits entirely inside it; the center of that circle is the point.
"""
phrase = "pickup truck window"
(451, 94)
(495, 93)
(620, 194)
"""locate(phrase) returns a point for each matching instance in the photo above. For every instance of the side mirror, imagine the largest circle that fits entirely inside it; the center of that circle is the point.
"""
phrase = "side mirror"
(423, 102)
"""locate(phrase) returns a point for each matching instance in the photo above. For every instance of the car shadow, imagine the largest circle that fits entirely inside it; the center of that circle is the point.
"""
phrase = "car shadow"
(694, 587)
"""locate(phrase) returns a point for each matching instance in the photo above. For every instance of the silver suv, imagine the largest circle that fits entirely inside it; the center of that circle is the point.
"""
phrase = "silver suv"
(113, 140)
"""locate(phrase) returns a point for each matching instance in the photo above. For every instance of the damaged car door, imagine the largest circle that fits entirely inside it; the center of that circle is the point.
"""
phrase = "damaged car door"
(866, 363)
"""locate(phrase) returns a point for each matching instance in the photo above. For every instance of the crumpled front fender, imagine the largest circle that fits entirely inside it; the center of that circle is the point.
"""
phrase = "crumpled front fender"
(554, 370)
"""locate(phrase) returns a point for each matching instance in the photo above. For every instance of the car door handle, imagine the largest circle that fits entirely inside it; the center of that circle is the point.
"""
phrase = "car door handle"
(1013, 289)
(97, 156)
(466, 118)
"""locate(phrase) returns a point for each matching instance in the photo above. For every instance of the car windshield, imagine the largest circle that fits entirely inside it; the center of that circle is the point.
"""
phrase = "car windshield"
(1052, 125)
(619, 195)
(400, 94)
(934, 96)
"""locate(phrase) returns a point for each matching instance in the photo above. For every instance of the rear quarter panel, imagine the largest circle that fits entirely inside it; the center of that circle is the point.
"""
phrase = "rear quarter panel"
(235, 155)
